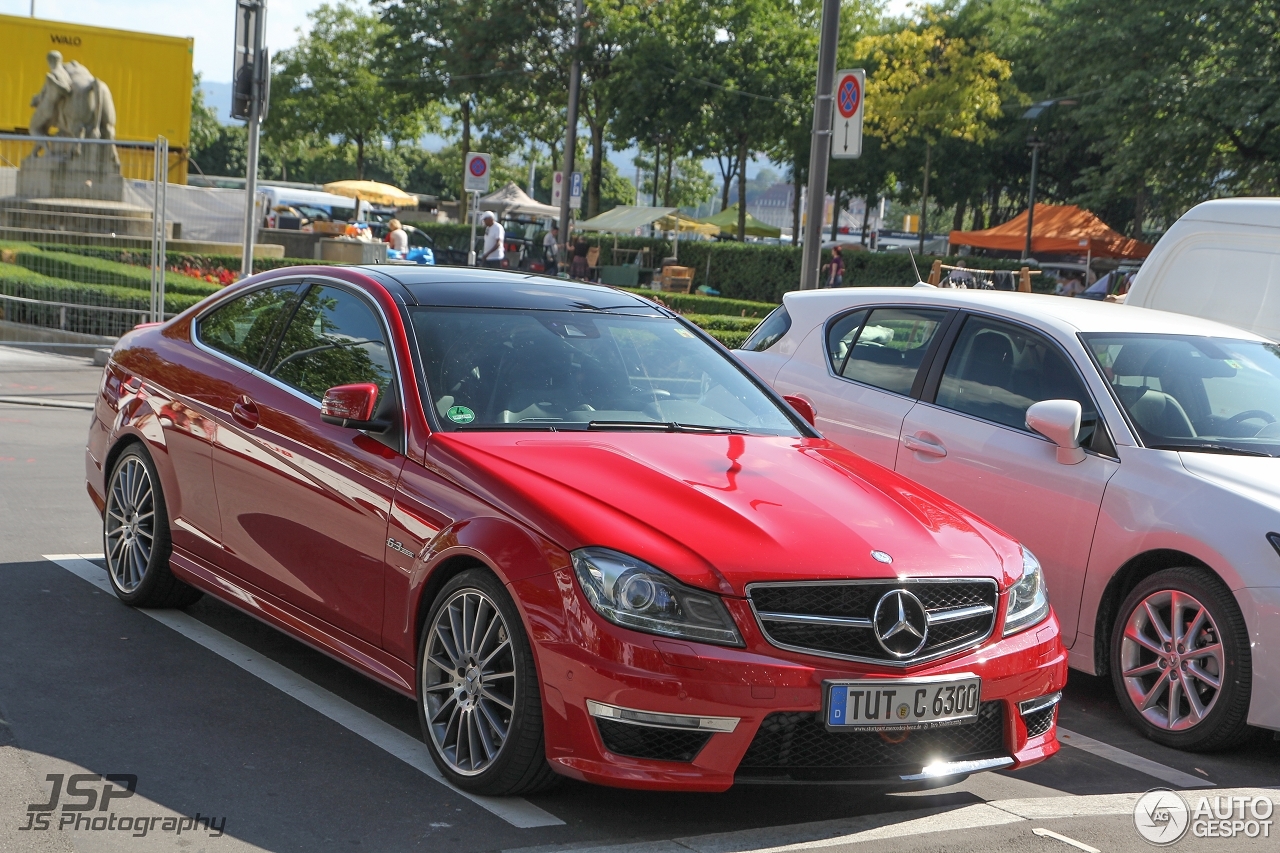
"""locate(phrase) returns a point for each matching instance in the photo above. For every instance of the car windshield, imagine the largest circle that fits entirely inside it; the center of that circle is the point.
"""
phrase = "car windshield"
(538, 369)
(1185, 392)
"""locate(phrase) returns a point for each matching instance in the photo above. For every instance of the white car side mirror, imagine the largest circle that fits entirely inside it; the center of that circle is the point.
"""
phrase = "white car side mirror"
(1059, 421)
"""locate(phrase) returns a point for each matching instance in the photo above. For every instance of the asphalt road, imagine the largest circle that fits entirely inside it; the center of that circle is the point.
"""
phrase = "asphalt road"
(220, 717)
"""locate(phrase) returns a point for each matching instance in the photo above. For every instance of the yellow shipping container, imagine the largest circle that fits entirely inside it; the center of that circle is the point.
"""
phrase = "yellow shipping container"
(149, 77)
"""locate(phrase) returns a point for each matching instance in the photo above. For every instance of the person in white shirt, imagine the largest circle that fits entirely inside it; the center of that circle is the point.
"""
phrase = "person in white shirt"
(551, 250)
(494, 235)
(397, 236)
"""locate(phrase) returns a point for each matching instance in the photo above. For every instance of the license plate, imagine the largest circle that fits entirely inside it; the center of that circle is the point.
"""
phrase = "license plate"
(890, 705)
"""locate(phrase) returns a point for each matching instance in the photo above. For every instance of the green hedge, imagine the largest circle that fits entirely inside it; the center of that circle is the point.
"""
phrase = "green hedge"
(19, 281)
(721, 323)
(731, 339)
(696, 303)
(90, 270)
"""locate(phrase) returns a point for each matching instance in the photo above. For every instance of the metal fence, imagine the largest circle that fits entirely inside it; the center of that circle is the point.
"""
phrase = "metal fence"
(85, 249)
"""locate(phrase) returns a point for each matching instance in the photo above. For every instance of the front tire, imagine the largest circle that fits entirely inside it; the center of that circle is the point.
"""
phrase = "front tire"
(1180, 661)
(478, 697)
(135, 536)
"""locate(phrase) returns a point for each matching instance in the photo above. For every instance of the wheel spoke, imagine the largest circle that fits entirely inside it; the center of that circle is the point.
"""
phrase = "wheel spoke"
(1204, 676)
(494, 697)
(477, 648)
(494, 723)
(1174, 702)
(440, 663)
(1136, 635)
(447, 646)
(478, 724)
(1156, 622)
(1197, 709)
(1153, 695)
(494, 653)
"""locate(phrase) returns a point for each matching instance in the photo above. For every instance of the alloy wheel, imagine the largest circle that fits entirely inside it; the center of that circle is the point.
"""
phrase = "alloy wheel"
(1171, 660)
(130, 523)
(469, 682)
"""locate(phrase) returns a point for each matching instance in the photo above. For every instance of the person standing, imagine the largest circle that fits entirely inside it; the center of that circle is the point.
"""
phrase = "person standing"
(579, 268)
(551, 251)
(397, 237)
(494, 242)
(836, 268)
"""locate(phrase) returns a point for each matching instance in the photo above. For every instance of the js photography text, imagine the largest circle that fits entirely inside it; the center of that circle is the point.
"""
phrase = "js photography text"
(85, 791)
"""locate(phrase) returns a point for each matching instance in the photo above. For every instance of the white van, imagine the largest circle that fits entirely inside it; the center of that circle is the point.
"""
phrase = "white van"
(1220, 261)
(312, 204)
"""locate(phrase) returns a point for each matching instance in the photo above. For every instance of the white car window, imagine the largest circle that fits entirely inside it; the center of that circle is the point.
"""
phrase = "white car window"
(888, 348)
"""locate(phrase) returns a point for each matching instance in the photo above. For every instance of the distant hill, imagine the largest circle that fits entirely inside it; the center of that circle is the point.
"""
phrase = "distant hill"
(218, 96)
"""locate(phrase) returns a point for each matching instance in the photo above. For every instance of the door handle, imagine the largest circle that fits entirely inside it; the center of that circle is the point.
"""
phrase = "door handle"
(925, 446)
(245, 412)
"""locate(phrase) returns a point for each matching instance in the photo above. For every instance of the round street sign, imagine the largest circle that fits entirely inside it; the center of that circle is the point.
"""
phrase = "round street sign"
(848, 95)
(478, 167)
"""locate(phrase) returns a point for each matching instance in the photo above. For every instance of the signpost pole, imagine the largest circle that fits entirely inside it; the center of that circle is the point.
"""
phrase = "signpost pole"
(257, 62)
(570, 133)
(820, 146)
(475, 208)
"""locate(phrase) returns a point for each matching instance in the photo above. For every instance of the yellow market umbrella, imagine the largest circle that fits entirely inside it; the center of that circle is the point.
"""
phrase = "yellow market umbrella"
(687, 225)
(372, 192)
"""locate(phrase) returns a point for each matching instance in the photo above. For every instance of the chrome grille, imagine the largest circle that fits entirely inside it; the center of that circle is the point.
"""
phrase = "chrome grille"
(835, 618)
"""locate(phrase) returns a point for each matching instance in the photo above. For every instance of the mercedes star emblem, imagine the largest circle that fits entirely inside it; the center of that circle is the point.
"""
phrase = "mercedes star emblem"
(901, 623)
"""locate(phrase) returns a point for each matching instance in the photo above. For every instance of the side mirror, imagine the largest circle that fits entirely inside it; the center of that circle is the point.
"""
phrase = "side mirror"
(803, 407)
(1059, 421)
(351, 406)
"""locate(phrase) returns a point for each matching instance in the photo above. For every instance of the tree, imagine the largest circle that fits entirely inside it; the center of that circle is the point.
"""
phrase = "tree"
(1183, 96)
(328, 86)
(926, 86)
(462, 52)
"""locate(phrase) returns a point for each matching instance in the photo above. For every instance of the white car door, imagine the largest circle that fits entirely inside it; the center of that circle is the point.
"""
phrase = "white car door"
(972, 445)
(861, 371)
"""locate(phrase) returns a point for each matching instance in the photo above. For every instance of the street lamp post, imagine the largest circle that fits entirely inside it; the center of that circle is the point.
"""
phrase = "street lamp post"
(1035, 144)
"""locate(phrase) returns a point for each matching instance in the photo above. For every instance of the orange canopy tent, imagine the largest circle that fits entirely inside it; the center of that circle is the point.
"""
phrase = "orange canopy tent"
(1060, 229)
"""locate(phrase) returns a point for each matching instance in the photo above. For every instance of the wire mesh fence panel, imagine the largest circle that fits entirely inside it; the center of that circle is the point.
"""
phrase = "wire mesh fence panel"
(83, 231)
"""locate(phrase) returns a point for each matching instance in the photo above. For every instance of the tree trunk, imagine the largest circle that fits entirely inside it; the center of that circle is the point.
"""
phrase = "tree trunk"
(1139, 213)
(957, 221)
(666, 189)
(727, 173)
(979, 220)
(866, 218)
(597, 169)
(657, 157)
(924, 196)
(359, 157)
(795, 205)
(742, 191)
(835, 215)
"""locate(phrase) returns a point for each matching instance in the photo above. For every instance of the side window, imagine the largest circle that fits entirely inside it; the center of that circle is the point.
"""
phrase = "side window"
(769, 332)
(840, 336)
(889, 348)
(245, 326)
(333, 339)
(997, 371)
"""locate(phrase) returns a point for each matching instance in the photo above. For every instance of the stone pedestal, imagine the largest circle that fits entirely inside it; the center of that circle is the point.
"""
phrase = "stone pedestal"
(71, 171)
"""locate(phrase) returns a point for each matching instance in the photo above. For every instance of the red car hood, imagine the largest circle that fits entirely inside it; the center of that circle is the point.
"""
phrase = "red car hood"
(722, 511)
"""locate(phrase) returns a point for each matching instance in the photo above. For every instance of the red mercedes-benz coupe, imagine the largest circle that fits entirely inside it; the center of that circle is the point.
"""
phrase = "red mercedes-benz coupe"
(572, 528)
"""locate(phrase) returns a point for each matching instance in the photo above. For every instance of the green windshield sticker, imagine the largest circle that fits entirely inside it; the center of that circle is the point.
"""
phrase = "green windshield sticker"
(460, 415)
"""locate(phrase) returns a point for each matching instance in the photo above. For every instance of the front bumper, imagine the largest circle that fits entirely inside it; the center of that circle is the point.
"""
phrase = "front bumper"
(776, 698)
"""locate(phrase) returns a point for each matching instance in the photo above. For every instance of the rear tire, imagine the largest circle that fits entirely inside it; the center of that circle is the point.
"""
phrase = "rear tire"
(478, 697)
(1180, 661)
(135, 536)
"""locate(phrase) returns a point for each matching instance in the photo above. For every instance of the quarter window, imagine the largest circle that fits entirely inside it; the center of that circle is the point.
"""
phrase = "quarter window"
(769, 332)
(996, 371)
(333, 339)
(888, 348)
(244, 327)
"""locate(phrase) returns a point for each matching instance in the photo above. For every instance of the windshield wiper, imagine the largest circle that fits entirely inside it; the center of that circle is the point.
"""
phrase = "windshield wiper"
(665, 426)
(1211, 448)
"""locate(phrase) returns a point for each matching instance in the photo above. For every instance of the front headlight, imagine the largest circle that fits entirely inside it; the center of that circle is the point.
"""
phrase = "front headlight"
(635, 595)
(1028, 598)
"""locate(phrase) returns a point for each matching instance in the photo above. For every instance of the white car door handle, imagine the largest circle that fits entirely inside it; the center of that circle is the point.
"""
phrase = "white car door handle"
(923, 445)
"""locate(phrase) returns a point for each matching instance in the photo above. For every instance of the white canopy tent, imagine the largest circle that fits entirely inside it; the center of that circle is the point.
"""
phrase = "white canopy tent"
(511, 200)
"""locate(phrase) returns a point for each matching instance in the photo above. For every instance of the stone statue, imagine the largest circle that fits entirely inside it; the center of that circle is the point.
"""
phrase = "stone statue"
(74, 102)
(75, 105)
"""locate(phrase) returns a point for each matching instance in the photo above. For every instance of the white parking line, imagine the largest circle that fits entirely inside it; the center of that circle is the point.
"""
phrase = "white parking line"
(879, 827)
(515, 811)
(1134, 762)
(1079, 845)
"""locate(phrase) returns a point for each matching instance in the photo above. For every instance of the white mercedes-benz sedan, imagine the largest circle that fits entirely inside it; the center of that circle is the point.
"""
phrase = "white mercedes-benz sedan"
(1136, 453)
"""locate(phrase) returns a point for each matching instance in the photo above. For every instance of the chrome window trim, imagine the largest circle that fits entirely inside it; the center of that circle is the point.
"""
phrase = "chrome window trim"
(945, 652)
(355, 290)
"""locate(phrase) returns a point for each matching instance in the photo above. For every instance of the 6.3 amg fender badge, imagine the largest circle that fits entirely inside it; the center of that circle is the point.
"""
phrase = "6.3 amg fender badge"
(395, 545)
